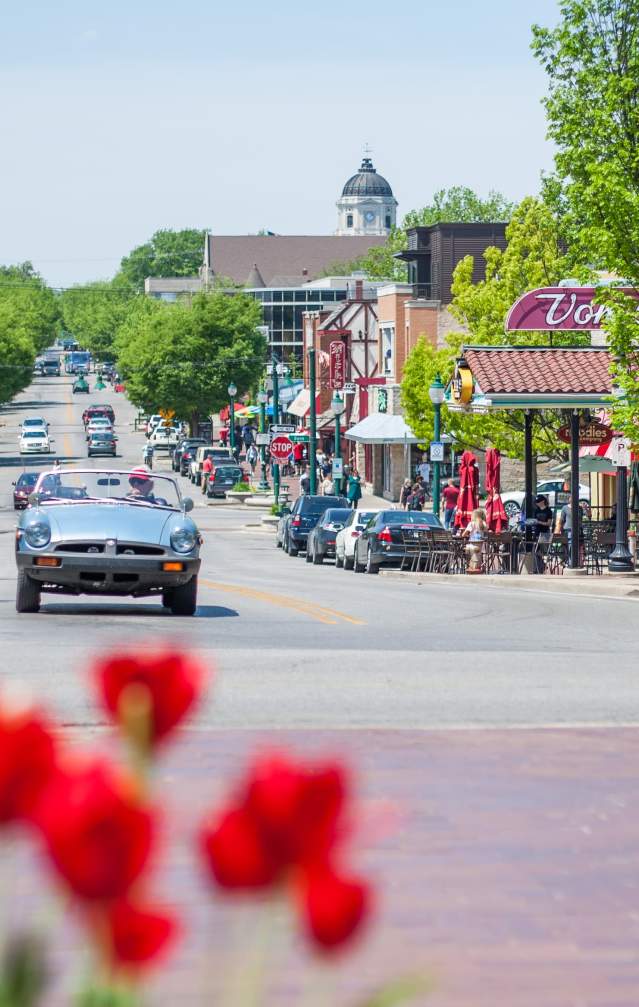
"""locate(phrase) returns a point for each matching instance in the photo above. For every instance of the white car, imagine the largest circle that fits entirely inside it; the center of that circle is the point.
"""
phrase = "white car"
(34, 423)
(35, 442)
(164, 436)
(99, 425)
(346, 538)
(513, 500)
(152, 423)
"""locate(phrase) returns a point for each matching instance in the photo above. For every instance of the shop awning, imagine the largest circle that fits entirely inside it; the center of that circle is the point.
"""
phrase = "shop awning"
(301, 404)
(382, 428)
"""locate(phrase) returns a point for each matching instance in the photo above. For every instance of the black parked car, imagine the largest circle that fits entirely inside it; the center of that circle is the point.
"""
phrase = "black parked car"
(184, 452)
(321, 540)
(223, 478)
(21, 489)
(306, 512)
(390, 536)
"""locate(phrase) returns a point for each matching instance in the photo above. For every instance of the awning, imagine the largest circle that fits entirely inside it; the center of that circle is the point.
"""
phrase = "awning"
(382, 428)
(301, 404)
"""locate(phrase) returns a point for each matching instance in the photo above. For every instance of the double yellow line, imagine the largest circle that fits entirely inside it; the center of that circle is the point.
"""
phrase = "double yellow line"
(328, 616)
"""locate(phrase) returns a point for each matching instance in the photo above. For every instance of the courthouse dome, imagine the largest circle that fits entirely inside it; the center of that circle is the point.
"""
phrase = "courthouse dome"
(367, 182)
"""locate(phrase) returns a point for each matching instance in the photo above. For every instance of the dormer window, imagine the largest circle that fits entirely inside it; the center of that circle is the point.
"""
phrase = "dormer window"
(349, 219)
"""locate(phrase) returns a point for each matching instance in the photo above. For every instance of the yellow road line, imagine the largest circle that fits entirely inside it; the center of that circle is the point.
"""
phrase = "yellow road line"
(66, 440)
(328, 616)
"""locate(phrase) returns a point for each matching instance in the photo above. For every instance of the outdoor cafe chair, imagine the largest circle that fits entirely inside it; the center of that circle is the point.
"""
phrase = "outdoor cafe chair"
(499, 552)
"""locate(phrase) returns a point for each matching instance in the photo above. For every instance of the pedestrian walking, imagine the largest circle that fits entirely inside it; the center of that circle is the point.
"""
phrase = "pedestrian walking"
(417, 497)
(207, 468)
(450, 493)
(328, 486)
(305, 483)
(147, 455)
(298, 456)
(251, 457)
(407, 489)
(354, 489)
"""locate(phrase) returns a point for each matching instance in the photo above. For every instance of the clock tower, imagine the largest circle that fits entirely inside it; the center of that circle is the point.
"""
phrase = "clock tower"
(367, 205)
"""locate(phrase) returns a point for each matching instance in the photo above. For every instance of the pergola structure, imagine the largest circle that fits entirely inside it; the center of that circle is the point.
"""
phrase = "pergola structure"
(531, 378)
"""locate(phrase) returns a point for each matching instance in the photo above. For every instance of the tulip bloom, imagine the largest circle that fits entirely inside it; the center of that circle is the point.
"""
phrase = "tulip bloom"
(169, 682)
(27, 763)
(138, 935)
(98, 834)
(284, 829)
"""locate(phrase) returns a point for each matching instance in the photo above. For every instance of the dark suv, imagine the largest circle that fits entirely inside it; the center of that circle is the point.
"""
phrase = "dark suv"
(306, 512)
(184, 452)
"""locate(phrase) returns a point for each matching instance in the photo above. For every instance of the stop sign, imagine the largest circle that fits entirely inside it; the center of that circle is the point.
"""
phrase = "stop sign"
(281, 448)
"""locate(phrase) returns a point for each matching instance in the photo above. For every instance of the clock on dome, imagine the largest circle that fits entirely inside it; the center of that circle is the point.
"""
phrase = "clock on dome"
(369, 216)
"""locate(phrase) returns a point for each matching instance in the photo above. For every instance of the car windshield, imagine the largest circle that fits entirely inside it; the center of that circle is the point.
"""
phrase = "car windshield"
(336, 516)
(27, 479)
(409, 517)
(91, 485)
(317, 505)
(33, 423)
(101, 437)
(35, 433)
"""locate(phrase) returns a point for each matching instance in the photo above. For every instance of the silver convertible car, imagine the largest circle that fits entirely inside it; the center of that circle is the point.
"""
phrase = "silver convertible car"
(107, 532)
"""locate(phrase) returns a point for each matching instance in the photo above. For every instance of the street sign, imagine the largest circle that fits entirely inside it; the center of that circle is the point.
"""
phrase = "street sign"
(262, 440)
(337, 353)
(338, 468)
(349, 388)
(281, 448)
(620, 452)
(282, 428)
(436, 451)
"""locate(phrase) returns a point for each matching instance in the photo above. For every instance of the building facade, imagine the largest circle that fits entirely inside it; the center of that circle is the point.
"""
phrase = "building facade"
(367, 206)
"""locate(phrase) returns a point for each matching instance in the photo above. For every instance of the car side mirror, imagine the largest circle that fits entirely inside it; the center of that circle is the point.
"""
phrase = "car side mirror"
(187, 504)
(34, 498)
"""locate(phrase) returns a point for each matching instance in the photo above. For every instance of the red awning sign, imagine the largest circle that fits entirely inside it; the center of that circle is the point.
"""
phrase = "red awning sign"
(560, 309)
(337, 353)
(591, 434)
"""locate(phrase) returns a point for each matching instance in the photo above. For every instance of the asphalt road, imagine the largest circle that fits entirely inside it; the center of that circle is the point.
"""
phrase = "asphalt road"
(302, 646)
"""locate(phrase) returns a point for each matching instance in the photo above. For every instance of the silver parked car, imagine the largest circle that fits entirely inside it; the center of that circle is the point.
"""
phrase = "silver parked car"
(107, 532)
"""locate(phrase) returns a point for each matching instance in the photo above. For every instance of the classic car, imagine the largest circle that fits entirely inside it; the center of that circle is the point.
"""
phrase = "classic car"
(107, 532)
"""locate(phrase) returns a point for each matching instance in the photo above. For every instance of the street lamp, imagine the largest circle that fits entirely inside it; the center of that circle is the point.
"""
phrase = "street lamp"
(232, 390)
(436, 393)
(338, 406)
(262, 398)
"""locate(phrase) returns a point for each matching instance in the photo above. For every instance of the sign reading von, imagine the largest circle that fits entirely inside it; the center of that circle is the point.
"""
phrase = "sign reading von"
(337, 353)
(281, 448)
(560, 309)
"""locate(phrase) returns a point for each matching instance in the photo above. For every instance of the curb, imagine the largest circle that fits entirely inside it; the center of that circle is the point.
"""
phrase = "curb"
(600, 587)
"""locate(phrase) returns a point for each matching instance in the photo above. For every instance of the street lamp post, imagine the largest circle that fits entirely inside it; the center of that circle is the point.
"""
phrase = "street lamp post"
(338, 406)
(436, 393)
(262, 398)
(232, 390)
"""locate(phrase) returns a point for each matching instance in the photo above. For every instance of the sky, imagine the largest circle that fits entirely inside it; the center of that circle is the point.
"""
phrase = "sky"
(123, 118)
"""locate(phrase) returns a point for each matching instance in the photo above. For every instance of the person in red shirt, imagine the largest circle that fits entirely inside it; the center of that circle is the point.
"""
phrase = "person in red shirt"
(207, 468)
(298, 456)
(450, 494)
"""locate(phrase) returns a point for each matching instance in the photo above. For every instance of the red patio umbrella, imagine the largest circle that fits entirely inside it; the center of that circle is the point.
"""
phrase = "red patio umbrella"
(496, 517)
(468, 499)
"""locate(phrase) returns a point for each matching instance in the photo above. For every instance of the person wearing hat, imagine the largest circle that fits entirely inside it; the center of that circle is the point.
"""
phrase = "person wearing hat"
(141, 485)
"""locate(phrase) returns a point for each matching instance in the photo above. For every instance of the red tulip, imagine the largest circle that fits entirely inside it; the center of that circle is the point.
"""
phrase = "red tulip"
(236, 853)
(97, 832)
(27, 762)
(173, 681)
(334, 907)
(139, 935)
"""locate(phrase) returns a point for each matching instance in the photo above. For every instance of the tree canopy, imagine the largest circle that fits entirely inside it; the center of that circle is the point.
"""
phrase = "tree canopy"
(29, 319)
(93, 313)
(182, 356)
(167, 253)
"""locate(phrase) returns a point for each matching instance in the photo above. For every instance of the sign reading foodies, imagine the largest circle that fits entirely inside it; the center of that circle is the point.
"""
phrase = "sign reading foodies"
(560, 309)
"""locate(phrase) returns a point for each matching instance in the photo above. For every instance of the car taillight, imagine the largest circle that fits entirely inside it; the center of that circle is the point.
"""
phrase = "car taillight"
(186, 455)
(296, 521)
(355, 534)
(385, 535)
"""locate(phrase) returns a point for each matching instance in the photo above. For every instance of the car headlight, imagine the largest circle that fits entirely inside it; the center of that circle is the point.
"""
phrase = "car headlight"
(38, 534)
(183, 539)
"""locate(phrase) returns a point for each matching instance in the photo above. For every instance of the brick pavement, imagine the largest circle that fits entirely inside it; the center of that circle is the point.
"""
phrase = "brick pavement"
(509, 870)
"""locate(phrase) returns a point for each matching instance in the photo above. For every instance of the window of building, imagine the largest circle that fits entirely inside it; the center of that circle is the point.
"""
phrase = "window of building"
(349, 219)
(388, 220)
(388, 350)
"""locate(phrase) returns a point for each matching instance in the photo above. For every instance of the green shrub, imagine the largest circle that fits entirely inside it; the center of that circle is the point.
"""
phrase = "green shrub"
(242, 488)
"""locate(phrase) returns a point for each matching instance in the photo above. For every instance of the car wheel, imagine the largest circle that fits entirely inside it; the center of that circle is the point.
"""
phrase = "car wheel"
(371, 566)
(318, 558)
(292, 549)
(348, 562)
(184, 598)
(309, 555)
(339, 560)
(512, 509)
(27, 593)
(357, 566)
(167, 598)
(278, 543)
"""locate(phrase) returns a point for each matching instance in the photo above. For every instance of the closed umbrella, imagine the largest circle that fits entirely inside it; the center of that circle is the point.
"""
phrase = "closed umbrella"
(468, 499)
(496, 518)
(634, 487)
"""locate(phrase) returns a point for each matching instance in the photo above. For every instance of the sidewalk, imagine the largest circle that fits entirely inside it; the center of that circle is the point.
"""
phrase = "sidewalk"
(605, 586)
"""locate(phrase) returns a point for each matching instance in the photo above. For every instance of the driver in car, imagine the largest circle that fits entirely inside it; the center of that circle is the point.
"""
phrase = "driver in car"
(142, 487)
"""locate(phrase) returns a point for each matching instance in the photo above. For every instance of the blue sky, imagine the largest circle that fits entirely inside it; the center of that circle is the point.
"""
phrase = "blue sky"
(122, 118)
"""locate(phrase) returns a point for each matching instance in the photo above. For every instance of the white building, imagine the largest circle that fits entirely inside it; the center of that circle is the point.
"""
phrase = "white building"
(367, 206)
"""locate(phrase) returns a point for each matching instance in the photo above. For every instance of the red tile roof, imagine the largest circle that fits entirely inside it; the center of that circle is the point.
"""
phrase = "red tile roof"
(546, 371)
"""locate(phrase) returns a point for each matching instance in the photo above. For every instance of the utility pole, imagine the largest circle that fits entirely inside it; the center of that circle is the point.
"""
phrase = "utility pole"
(312, 441)
(276, 419)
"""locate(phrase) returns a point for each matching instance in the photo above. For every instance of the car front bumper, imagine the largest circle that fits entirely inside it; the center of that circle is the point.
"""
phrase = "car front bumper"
(96, 573)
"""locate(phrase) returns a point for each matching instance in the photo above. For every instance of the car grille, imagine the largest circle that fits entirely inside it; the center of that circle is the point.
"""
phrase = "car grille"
(88, 547)
(139, 550)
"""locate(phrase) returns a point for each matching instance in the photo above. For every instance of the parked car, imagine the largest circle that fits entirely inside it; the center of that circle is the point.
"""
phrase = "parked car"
(34, 423)
(163, 437)
(513, 500)
(108, 532)
(320, 544)
(347, 537)
(185, 452)
(101, 409)
(35, 442)
(217, 454)
(102, 443)
(98, 424)
(23, 485)
(152, 423)
(223, 478)
(304, 515)
(388, 537)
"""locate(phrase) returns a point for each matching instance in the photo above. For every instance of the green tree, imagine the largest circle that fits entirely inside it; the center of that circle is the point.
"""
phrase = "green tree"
(167, 253)
(592, 62)
(534, 257)
(29, 320)
(182, 356)
(458, 204)
(93, 313)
